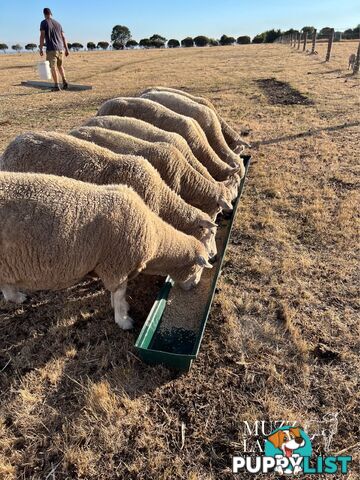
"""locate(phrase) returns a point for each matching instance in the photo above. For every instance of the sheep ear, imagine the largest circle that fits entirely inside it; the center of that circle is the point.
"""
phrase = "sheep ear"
(207, 223)
(240, 147)
(225, 205)
(235, 168)
(202, 262)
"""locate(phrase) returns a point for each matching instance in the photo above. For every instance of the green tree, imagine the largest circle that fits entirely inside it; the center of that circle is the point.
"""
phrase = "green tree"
(290, 31)
(324, 32)
(225, 40)
(131, 43)
(271, 35)
(120, 34)
(157, 41)
(308, 30)
(3, 47)
(118, 46)
(243, 40)
(201, 41)
(258, 38)
(187, 42)
(145, 43)
(103, 45)
(30, 46)
(16, 47)
(76, 46)
(156, 37)
(90, 46)
(173, 43)
(352, 33)
(348, 34)
(213, 42)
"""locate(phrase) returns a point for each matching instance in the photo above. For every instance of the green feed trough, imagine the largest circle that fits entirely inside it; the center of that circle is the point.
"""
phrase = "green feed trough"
(178, 348)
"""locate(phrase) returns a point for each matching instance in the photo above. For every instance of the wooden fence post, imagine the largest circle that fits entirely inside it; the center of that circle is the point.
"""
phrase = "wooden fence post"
(357, 61)
(331, 39)
(299, 40)
(313, 46)
(305, 40)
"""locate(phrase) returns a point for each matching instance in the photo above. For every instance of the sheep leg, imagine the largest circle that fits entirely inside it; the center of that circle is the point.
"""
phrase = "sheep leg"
(11, 294)
(121, 308)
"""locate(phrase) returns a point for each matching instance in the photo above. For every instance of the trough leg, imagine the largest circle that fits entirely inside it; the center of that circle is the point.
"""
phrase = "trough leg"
(121, 308)
(11, 294)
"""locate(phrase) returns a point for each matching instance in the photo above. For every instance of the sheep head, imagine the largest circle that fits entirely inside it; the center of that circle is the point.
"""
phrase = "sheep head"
(207, 235)
(189, 275)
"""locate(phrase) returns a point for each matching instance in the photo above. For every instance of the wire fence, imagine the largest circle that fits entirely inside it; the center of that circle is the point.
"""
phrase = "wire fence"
(300, 41)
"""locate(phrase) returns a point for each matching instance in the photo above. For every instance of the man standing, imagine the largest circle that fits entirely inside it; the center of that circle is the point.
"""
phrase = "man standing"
(52, 33)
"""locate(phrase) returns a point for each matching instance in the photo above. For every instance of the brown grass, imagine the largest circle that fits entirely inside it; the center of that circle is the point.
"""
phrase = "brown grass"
(282, 340)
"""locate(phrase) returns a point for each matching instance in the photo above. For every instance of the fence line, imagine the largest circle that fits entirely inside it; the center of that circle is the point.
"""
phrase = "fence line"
(294, 40)
(313, 45)
(330, 44)
(357, 61)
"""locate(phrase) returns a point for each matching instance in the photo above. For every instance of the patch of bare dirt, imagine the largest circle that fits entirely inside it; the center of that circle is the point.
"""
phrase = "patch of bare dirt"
(281, 93)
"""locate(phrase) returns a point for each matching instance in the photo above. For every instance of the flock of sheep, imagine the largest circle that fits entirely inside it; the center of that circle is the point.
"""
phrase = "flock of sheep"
(136, 189)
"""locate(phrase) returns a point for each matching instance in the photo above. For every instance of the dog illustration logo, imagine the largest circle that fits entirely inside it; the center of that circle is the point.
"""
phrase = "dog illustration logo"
(288, 445)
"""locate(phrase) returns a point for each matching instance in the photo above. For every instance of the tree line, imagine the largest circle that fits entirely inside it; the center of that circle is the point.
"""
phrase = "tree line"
(155, 41)
(121, 38)
(271, 35)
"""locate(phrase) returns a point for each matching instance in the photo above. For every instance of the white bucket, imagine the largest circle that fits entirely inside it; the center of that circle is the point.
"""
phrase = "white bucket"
(44, 70)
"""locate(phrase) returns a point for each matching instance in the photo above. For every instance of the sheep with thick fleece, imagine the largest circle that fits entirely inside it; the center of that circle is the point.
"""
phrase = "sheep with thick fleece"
(169, 162)
(205, 117)
(170, 121)
(64, 155)
(232, 138)
(55, 230)
(145, 131)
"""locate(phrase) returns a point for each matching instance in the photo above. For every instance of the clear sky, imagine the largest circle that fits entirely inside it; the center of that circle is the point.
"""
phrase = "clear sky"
(92, 20)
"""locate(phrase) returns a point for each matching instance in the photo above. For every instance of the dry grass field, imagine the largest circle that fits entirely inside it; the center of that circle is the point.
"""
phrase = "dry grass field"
(282, 341)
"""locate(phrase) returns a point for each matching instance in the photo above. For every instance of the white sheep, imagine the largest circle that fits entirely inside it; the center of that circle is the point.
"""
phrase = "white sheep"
(205, 117)
(65, 155)
(55, 230)
(168, 120)
(232, 138)
(169, 162)
(145, 131)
